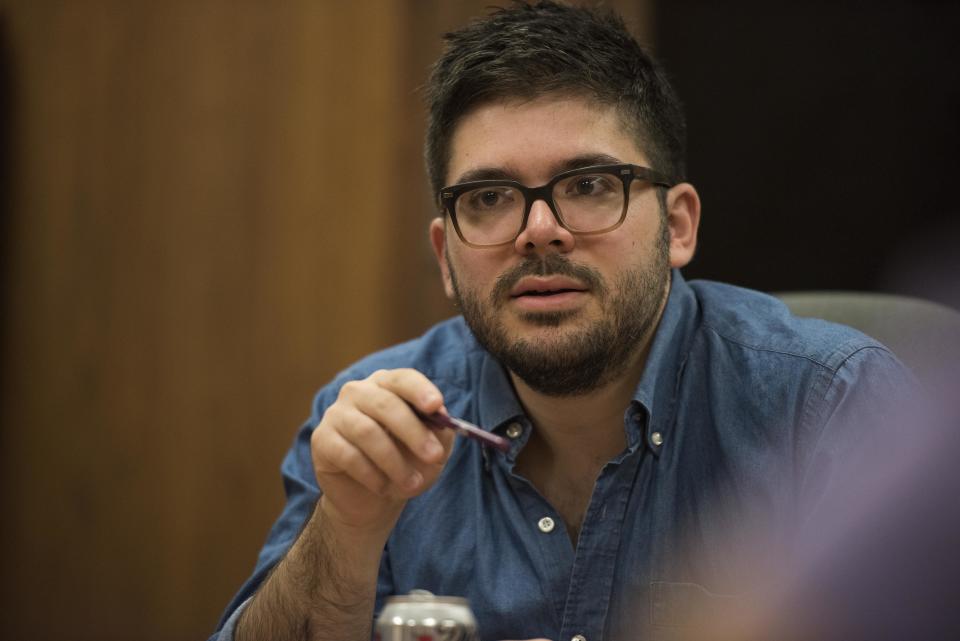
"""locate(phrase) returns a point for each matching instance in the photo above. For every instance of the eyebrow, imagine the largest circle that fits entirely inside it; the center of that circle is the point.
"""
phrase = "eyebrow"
(505, 173)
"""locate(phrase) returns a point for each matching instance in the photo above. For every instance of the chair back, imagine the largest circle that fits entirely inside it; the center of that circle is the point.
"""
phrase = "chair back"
(923, 334)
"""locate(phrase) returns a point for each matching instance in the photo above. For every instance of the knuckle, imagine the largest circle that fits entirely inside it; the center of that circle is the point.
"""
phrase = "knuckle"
(411, 375)
(329, 424)
(381, 404)
(350, 389)
(350, 458)
(366, 430)
(331, 415)
(379, 376)
(379, 484)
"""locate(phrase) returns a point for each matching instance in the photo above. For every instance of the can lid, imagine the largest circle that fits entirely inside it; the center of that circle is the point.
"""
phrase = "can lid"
(425, 596)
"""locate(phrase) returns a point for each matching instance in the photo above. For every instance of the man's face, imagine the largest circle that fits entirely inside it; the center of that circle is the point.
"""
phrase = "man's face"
(566, 313)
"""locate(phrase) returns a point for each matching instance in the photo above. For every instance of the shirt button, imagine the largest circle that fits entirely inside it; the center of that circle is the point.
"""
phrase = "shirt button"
(579, 637)
(514, 430)
(546, 524)
(657, 438)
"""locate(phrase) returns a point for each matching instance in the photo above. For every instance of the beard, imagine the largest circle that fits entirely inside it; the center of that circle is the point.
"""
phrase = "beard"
(572, 363)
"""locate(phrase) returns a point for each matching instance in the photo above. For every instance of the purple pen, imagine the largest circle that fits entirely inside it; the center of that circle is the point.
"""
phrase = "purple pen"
(467, 429)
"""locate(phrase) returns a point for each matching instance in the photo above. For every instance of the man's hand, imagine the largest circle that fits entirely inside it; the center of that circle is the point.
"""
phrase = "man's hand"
(371, 452)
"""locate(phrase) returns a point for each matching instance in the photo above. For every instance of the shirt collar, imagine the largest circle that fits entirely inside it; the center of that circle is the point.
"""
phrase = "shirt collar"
(496, 399)
(657, 391)
(497, 405)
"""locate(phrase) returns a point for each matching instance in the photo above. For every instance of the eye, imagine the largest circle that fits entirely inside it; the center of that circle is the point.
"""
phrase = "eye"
(591, 185)
(489, 198)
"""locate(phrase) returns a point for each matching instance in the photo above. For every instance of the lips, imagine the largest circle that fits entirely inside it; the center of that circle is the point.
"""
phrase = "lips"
(545, 286)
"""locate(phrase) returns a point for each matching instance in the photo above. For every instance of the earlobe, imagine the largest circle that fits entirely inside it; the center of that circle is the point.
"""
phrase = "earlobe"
(438, 240)
(683, 219)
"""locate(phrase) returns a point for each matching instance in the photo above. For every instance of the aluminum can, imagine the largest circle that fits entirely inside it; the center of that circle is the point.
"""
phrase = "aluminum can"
(422, 616)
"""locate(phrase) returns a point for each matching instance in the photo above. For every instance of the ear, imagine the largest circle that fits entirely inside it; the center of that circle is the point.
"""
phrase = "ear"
(438, 240)
(683, 220)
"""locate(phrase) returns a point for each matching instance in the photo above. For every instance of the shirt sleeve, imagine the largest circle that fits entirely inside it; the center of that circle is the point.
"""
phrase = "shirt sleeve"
(859, 416)
(227, 628)
(874, 553)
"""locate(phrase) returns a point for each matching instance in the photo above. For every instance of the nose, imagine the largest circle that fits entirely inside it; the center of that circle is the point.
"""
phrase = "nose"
(543, 232)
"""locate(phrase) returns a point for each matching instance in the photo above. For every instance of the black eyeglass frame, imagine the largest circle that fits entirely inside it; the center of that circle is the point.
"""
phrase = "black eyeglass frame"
(447, 197)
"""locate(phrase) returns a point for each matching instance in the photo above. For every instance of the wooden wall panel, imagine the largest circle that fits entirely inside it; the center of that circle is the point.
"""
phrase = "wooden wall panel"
(213, 206)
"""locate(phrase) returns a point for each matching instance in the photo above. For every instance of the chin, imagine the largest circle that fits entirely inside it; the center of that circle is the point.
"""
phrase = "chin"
(547, 319)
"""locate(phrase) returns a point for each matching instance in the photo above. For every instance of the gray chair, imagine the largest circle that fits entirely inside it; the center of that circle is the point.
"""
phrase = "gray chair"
(923, 334)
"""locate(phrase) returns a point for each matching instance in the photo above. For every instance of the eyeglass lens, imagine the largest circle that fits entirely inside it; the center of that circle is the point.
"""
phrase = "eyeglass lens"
(584, 202)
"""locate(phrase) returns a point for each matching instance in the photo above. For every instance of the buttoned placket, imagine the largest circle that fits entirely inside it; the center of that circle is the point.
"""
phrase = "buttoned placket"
(587, 572)
(552, 545)
(591, 578)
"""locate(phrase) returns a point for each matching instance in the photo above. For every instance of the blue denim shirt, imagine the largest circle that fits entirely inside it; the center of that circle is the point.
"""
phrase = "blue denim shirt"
(742, 415)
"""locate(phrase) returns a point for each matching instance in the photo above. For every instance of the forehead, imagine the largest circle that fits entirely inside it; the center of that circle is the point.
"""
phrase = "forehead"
(531, 140)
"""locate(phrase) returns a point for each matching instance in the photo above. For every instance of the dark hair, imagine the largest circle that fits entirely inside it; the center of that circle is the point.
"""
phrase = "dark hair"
(529, 50)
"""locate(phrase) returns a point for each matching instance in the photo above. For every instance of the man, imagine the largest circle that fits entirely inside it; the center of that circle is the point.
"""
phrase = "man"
(648, 418)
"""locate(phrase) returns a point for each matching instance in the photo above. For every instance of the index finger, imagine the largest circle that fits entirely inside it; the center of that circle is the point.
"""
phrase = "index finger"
(412, 393)
(412, 386)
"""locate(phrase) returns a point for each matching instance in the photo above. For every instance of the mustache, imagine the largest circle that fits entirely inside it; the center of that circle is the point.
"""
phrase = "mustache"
(549, 265)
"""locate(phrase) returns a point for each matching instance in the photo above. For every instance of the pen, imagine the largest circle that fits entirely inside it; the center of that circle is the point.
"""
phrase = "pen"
(467, 429)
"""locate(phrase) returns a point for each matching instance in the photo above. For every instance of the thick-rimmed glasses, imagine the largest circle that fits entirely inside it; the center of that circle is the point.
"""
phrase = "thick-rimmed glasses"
(590, 200)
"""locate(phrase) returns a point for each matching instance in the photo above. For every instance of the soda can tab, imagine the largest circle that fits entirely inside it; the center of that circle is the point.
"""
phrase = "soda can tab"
(422, 616)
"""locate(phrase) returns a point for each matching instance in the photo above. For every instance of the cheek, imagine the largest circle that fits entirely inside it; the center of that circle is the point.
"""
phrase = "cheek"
(476, 269)
(644, 237)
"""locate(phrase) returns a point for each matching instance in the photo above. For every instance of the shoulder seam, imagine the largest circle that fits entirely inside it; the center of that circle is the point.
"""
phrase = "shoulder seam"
(853, 345)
